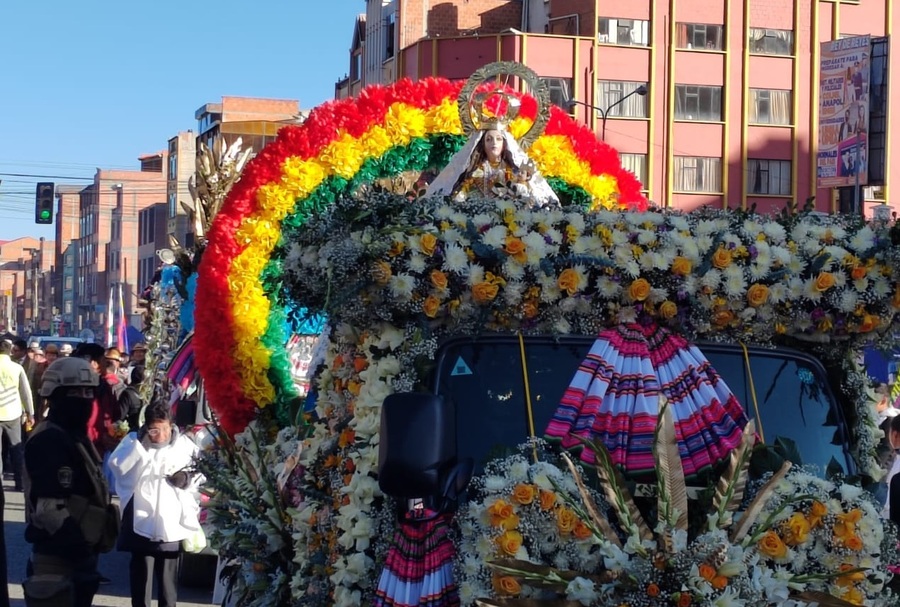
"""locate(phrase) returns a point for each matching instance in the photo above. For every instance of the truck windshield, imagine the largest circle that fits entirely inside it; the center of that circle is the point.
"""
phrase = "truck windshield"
(483, 378)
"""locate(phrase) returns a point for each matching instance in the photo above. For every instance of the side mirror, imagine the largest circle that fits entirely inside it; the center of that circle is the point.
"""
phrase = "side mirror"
(417, 449)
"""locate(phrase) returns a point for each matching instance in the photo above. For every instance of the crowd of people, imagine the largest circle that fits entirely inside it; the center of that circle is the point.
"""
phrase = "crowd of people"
(79, 432)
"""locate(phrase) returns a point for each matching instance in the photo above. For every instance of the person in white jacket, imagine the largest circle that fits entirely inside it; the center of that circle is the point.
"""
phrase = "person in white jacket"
(153, 477)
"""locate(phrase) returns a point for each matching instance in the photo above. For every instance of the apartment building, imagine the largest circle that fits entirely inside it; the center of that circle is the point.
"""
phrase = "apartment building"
(13, 256)
(729, 116)
(153, 223)
(182, 163)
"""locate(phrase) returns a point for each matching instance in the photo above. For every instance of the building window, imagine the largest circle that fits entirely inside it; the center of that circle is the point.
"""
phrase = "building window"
(560, 90)
(699, 35)
(389, 32)
(172, 204)
(698, 174)
(770, 106)
(624, 31)
(769, 177)
(68, 283)
(703, 103)
(637, 164)
(771, 42)
(173, 165)
(611, 92)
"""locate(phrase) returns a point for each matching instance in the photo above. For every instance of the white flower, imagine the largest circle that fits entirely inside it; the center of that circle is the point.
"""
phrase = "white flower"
(863, 240)
(416, 263)
(495, 236)
(452, 236)
(581, 590)
(390, 337)
(562, 326)
(513, 270)
(482, 219)
(513, 291)
(711, 279)
(536, 247)
(518, 471)
(401, 286)
(475, 274)
(494, 484)
(775, 231)
(608, 288)
(729, 598)
(455, 259)
(735, 285)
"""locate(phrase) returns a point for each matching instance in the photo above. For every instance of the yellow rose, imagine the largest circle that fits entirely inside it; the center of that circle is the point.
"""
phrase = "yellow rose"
(869, 323)
(438, 279)
(757, 295)
(681, 266)
(824, 281)
(854, 595)
(854, 543)
(484, 292)
(772, 546)
(722, 318)
(668, 309)
(850, 578)
(858, 272)
(566, 520)
(523, 493)
(582, 531)
(431, 306)
(569, 281)
(396, 248)
(506, 585)
(427, 243)
(510, 542)
(498, 511)
(381, 272)
(515, 248)
(721, 259)
(816, 512)
(548, 500)
(796, 530)
(639, 290)
(509, 523)
(529, 309)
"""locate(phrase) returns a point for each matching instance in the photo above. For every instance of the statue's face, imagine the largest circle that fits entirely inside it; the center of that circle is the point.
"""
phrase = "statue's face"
(493, 145)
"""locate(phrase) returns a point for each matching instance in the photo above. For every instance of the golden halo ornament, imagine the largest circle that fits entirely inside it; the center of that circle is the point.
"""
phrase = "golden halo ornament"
(471, 103)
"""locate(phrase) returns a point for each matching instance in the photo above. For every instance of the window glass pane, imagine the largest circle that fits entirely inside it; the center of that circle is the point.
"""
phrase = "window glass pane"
(698, 174)
(623, 31)
(560, 90)
(637, 164)
(698, 36)
(771, 41)
(612, 98)
(769, 177)
(770, 106)
(698, 103)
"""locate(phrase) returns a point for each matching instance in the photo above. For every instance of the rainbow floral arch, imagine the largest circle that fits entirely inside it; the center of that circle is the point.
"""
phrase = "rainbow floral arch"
(242, 316)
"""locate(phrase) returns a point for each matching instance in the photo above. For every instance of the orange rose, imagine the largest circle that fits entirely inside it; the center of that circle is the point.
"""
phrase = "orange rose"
(569, 281)
(684, 599)
(816, 512)
(566, 520)
(858, 272)
(582, 531)
(722, 318)
(772, 546)
(347, 437)
(681, 266)
(506, 585)
(396, 248)
(509, 523)
(548, 500)
(639, 289)
(707, 571)
(721, 259)
(796, 530)
(853, 595)
(499, 510)
(438, 279)
(381, 272)
(757, 295)
(529, 309)
(652, 590)
(824, 281)
(510, 542)
(719, 582)
(431, 305)
(515, 248)
(668, 309)
(523, 493)
(353, 387)
(850, 578)
(360, 364)
(484, 292)
(854, 543)
(427, 242)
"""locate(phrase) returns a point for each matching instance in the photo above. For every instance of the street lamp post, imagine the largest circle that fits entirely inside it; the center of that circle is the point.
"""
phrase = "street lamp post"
(641, 90)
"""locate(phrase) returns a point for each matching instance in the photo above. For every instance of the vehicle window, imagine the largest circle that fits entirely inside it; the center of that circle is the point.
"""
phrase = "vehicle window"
(484, 381)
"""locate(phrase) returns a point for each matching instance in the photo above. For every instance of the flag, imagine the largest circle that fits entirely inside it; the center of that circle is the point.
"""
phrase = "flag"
(182, 370)
(122, 327)
(109, 320)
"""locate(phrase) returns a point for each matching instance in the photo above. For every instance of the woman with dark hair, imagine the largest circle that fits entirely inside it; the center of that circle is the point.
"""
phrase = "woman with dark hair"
(152, 471)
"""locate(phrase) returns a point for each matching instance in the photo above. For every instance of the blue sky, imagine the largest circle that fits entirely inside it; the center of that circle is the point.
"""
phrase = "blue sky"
(96, 83)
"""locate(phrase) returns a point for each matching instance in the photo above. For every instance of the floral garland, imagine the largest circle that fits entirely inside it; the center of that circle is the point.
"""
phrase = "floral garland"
(383, 132)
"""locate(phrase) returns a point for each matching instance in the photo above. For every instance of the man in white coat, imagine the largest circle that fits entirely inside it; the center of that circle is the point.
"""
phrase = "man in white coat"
(15, 401)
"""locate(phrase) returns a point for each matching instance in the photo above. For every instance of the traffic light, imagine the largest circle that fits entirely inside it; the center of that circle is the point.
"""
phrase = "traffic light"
(43, 203)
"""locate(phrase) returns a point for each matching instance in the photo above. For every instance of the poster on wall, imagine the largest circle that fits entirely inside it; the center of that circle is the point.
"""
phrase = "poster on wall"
(844, 112)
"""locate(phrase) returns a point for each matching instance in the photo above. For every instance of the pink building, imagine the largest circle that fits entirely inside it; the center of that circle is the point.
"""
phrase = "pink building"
(730, 116)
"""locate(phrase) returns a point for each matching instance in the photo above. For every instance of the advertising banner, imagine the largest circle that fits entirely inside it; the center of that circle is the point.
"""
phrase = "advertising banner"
(844, 112)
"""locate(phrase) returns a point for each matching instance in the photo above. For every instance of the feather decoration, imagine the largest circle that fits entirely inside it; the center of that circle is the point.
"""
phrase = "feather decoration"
(599, 522)
(753, 510)
(823, 599)
(730, 488)
(673, 501)
(616, 492)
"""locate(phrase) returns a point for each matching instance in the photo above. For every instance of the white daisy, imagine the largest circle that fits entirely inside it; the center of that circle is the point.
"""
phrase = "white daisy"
(401, 286)
(416, 263)
(483, 219)
(608, 289)
(475, 274)
(495, 236)
(863, 240)
(455, 259)
(513, 270)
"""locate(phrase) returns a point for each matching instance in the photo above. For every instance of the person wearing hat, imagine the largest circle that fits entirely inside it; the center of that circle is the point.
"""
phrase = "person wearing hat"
(64, 483)
(106, 409)
(15, 401)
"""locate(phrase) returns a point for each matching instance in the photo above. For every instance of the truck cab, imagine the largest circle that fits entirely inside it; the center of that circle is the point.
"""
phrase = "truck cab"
(484, 378)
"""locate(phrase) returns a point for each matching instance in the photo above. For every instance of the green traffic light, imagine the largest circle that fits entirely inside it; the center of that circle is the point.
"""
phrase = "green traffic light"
(45, 214)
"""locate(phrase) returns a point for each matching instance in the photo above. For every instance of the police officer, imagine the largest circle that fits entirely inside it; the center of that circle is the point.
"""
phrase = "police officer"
(67, 504)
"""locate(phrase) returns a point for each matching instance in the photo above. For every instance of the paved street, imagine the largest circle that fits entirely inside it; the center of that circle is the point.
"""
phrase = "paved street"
(113, 565)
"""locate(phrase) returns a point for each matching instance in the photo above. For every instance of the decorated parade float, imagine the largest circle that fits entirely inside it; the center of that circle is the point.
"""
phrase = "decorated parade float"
(512, 400)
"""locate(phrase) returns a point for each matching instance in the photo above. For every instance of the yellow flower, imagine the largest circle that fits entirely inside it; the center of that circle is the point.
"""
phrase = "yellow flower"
(721, 258)
(796, 529)
(523, 493)
(427, 243)
(431, 305)
(570, 280)
(381, 272)
(506, 585)
(510, 542)
(824, 281)
(771, 546)
(438, 279)
(484, 292)
(668, 309)
(515, 248)
(547, 499)
(869, 323)
(681, 266)
(854, 595)
(757, 295)
(639, 289)
(722, 317)
(500, 511)
(816, 512)
(396, 248)
(566, 520)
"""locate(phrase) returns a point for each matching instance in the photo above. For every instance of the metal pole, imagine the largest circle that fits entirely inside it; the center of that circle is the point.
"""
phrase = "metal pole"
(603, 124)
(856, 209)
